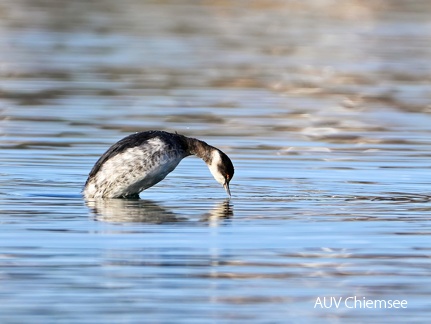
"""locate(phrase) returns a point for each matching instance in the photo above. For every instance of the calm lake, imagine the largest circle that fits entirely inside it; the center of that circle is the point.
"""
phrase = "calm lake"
(324, 108)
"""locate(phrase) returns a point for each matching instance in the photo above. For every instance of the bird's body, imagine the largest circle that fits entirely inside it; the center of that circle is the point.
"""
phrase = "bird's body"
(141, 160)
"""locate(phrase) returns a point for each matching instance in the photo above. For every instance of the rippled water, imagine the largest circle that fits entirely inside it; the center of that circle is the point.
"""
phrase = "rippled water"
(323, 106)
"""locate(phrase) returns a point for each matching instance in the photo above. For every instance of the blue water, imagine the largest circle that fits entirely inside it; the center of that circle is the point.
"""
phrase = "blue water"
(323, 108)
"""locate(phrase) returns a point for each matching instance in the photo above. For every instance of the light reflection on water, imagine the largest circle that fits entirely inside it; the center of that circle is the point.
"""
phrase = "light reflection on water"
(324, 112)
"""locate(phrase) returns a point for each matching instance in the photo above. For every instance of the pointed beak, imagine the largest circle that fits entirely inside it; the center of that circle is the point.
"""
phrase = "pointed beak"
(226, 187)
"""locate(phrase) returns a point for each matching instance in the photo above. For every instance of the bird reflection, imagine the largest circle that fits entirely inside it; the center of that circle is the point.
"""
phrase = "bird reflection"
(147, 211)
(220, 211)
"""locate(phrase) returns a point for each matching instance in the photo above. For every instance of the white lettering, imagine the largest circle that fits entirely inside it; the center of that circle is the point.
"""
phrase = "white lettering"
(335, 301)
(324, 302)
(384, 303)
(345, 302)
(318, 302)
(359, 302)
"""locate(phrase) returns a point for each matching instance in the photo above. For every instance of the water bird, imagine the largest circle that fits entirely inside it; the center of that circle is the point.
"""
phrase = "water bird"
(141, 160)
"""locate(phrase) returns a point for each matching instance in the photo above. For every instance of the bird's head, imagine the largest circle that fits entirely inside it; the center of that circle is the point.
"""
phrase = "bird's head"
(221, 168)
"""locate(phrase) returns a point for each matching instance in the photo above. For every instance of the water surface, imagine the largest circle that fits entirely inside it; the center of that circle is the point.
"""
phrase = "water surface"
(324, 109)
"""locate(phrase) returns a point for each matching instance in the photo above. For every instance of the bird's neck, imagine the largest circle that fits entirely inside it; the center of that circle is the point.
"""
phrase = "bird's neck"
(200, 149)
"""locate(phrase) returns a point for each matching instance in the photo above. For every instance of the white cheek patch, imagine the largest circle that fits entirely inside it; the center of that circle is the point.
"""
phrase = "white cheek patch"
(215, 162)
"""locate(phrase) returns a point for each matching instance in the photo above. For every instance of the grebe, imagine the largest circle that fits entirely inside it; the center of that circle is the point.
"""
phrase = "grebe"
(141, 160)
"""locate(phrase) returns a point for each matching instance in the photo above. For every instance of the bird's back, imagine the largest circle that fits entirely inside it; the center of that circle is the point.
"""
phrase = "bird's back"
(135, 163)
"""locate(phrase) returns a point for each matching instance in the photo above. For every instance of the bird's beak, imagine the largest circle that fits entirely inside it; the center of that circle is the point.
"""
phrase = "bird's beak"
(226, 187)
